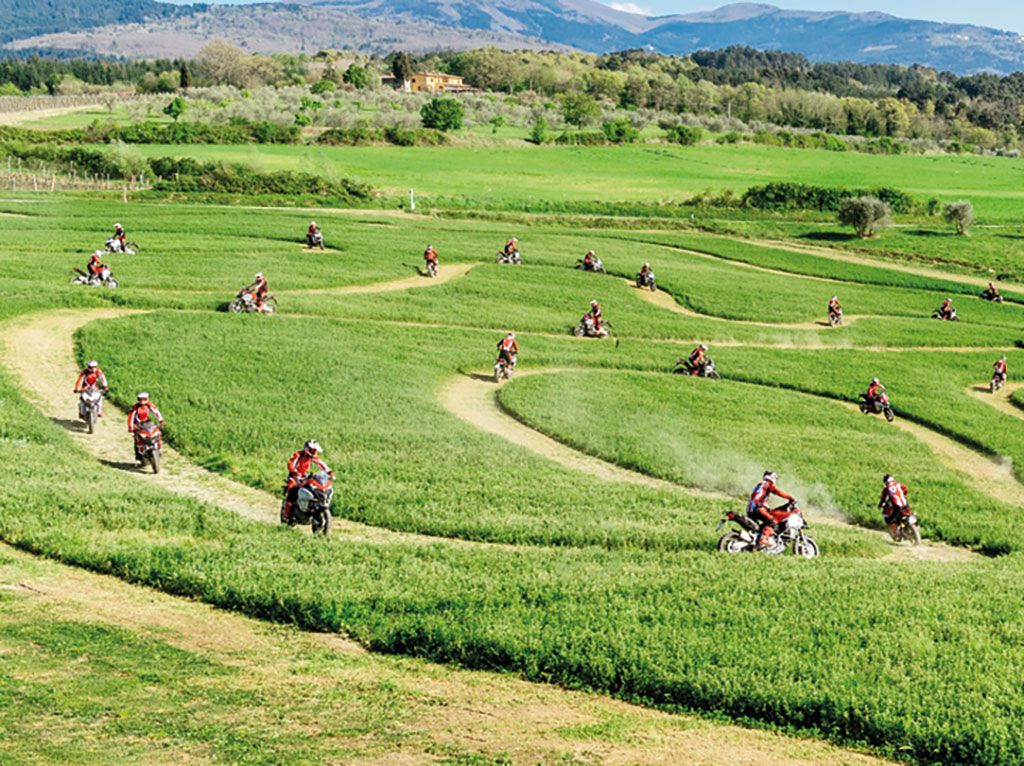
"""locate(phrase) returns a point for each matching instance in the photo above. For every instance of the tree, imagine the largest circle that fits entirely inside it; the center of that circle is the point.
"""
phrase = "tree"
(960, 214)
(539, 133)
(442, 114)
(356, 75)
(620, 131)
(401, 68)
(176, 108)
(185, 75)
(579, 108)
(323, 86)
(864, 214)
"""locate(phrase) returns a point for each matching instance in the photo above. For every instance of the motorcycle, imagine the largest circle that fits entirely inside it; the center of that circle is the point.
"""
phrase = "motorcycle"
(595, 265)
(503, 370)
(113, 245)
(312, 503)
(906, 527)
(991, 295)
(246, 302)
(835, 318)
(789, 532)
(315, 239)
(877, 406)
(587, 329)
(706, 369)
(951, 317)
(431, 269)
(147, 445)
(512, 257)
(89, 403)
(646, 280)
(997, 382)
(104, 278)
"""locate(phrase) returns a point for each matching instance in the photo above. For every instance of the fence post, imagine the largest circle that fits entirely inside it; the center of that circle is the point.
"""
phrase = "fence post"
(35, 186)
(124, 192)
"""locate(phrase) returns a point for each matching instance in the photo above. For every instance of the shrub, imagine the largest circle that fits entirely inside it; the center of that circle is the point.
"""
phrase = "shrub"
(960, 214)
(582, 138)
(579, 108)
(176, 108)
(442, 114)
(685, 135)
(356, 76)
(620, 131)
(324, 86)
(539, 133)
(732, 137)
(864, 214)
(783, 195)
(933, 206)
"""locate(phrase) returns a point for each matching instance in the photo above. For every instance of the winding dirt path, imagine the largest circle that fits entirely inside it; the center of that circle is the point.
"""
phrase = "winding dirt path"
(444, 274)
(1000, 399)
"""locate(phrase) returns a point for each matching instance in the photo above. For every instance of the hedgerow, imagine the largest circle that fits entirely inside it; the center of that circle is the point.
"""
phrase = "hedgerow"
(361, 135)
(794, 196)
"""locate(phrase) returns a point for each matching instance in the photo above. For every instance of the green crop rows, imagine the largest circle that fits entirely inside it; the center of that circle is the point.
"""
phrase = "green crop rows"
(523, 565)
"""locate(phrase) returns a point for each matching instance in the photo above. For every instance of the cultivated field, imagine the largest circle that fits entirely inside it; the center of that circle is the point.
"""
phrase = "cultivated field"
(560, 527)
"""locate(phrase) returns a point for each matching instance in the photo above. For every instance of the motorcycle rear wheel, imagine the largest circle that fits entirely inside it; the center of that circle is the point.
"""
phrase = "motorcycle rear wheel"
(806, 547)
(733, 543)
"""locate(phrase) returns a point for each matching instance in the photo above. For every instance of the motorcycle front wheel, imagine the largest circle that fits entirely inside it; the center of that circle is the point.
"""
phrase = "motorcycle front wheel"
(154, 460)
(112, 283)
(236, 306)
(911, 534)
(733, 543)
(497, 374)
(322, 524)
(806, 547)
(91, 421)
(889, 414)
(579, 331)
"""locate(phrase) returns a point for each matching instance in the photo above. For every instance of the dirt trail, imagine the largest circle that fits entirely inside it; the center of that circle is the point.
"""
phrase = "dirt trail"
(444, 273)
(17, 118)
(1000, 399)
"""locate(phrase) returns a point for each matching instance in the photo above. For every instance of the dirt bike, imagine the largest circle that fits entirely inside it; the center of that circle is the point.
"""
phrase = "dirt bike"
(311, 502)
(113, 245)
(431, 269)
(835, 318)
(789, 532)
(950, 317)
(512, 257)
(991, 295)
(89, 404)
(595, 265)
(706, 369)
(997, 382)
(104, 278)
(587, 329)
(315, 239)
(878, 405)
(906, 526)
(246, 302)
(147, 445)
(503, 370)
(646, 280)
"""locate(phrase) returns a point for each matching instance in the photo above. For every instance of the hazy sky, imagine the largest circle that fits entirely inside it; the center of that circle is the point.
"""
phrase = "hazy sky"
(1001, 14)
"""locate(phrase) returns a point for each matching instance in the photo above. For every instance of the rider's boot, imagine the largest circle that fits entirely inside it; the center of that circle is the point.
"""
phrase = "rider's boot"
(765, 540)
(286, 511)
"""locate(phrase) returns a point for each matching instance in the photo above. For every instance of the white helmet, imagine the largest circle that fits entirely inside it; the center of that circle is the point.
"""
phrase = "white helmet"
(888, 478)
(703, 347)
(93, 363)
(647, 264)
(590, 252)
(117, 226)
(512, 336)
(874, 380)
(312, 223)
(770, 476)
(593, 303)
(142, 396)
(514, 239)
(97, 252)
(259, 275)
(312, 446)
(430, 247)
(1001, 359)
(835, 297)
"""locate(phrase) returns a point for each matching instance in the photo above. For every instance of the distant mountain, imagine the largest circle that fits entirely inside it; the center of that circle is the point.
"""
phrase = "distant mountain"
(147, 28)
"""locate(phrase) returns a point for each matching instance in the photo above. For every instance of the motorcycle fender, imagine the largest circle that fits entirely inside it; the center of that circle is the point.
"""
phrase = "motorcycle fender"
(912, 518)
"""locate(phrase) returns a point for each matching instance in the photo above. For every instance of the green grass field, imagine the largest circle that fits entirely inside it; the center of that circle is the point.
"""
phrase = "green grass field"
(478, 551)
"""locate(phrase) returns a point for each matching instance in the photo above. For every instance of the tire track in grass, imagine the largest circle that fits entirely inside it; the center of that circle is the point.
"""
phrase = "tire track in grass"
(472, 397)
(444, 274)
(1000, 399)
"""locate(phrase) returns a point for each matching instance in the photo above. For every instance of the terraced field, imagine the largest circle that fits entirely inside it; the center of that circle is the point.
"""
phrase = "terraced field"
(560, 527)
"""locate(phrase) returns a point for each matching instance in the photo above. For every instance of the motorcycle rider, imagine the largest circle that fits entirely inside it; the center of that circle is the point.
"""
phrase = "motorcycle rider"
(96, 264)
(992, 293)
(946, 309)
(92, 375)
(507, 350)
(121, 236)
(430, 256)
(644, 271)
(834, 307)
(299, 466)
(1000, 368)
(588, 260)
(875, 390)
(696, 359)
(512, 246)
(259, 289)
(757, 508)
(142, 411)
(313, 229)
(893, 503)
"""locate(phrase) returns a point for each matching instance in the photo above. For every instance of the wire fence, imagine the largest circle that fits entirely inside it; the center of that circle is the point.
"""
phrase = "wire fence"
(23, 177)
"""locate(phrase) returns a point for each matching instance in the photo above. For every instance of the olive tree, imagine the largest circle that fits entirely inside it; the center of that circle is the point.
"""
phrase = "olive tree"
(960, 214)
(864, 214)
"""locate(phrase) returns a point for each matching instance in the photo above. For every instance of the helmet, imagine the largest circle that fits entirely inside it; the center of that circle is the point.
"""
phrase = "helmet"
(97, 252)
(770, 476)
(1001, 359)
(511, 336)
(874, 380)
(888, 478)
(835, 297)
(259, 275)
(117, 226)
(703, 347)
(593, 303)
(647, 264)
(312, 223)
(991, 285)
(312, 446)
(514, 239)
(93, 363)
(430, 247)
(142, 396)
(590, 252)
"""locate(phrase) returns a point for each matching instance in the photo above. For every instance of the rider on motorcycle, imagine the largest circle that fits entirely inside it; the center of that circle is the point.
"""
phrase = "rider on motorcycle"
(430, 256)
(508, 349)
(696, 359)
(299, 466)
(92, 375)
(595, 314)
(644, 271)
(588, 260)
(511, 246)
(757, 508)
(875, 390)
(258, 289)
(121, 236)
(313, 229)
(96, 264)
(992, 293)
(946, 309)
(834, 307)
(893, 503)
(1000, 368)
(142, 411)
